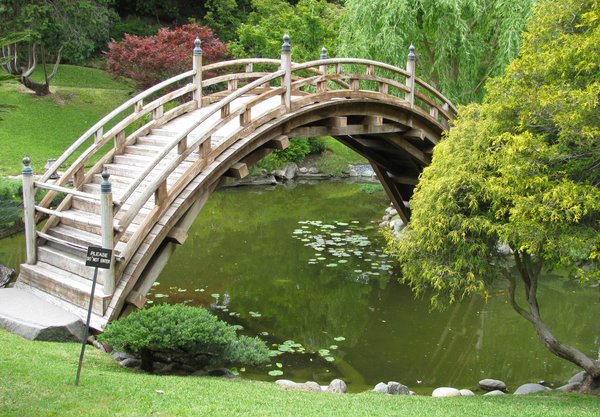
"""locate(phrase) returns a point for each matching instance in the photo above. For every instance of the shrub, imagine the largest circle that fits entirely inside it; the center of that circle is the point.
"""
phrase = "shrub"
(151, 59)
(10, 203)
(190, 333)
(133, 25)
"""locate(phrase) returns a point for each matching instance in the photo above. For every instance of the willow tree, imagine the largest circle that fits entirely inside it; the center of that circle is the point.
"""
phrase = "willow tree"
(459, 43)
(521, 169)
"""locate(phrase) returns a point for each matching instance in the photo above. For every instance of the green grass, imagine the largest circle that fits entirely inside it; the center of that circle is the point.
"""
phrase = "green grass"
(37, 380)
(336, 158)
(43, 127)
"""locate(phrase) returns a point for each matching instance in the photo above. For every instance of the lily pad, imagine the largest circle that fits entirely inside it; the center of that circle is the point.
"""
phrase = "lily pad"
(339, 338)
(275, 372)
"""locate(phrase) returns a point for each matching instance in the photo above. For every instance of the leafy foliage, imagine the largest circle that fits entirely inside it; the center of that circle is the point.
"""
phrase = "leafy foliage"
(186, 330)
(459, 43)
(133, 25)
(225, 16)
(81, 27)
(298, 150)
(311, 25)
(149, 60)
(521, 169)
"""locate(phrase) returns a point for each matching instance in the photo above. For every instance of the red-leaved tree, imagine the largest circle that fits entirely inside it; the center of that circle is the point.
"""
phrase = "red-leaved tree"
(152, 59)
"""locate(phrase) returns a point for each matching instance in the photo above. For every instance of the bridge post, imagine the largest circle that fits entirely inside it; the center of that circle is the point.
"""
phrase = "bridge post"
(286, 65)
(29, 211)
(107, 216)
(410, 80)
(197, 66)
(322, 86)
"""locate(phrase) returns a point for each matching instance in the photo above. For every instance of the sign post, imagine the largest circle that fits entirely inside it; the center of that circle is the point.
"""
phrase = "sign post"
(96, 258)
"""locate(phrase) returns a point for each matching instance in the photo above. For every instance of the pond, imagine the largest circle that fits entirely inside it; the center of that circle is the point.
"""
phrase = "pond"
(302, 266)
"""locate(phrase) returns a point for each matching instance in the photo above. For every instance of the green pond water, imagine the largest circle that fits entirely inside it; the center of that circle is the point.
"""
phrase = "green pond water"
(302, 267)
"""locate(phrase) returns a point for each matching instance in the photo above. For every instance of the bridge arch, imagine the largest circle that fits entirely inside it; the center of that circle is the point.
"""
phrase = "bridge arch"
(158, 176)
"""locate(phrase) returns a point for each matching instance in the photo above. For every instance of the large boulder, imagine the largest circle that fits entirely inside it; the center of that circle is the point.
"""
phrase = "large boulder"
(337, 386)
(445, 392)
(6, 274)
(288, 172)
(572, 387)
(492, 385)
(578, 378)
(466, 392)
(527, 389)
(396, 388)
(297, 386)
(381, 388)
(130, 363)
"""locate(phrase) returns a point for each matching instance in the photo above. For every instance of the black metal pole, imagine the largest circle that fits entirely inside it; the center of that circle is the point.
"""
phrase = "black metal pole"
(87, 326)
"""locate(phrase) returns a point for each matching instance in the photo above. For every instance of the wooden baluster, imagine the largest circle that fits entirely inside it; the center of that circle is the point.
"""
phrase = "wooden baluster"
(225, 111)
(182, 146)
(410, 80)
(322, 86)
(370, 70)
(98, 135)
(433, 111)
(286, 65)
(139, 106)
(79, 177)
(107, 225)
(158, 112)
(204, 149)
(232, 85)
(338, 68)
(354, 84)
(249, 67)
(197, 66)
(160, 195)
(29, 211)
(383, 88)
(245, 117)
(120, 142)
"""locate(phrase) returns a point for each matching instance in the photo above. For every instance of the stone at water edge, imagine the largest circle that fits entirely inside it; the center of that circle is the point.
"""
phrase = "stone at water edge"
(296, 386)
(6, 274)
(130, 363)
(337, 386)
(527, 389)
(493, 393)
(119, 356)
(397, 388)
(381, 387)
(445, 392)
(489, 384)
(572, 387)
(466, 392)
(313, 385)
(313, 170)
(303, 170)
(578, 377)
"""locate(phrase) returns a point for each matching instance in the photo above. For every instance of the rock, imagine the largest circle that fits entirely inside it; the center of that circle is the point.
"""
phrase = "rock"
(384, 224)
(222, 372)
(578, 377)
(313, 385)
(381, 387)
(412, 393)
(393, 212)
(572, 387)
(254, 181)
(313, 170)
(445, 392)
(303, 170)
(337, 386)
(120, 356)
(492, 384)
(130, 363)
(396, 225)
(361, 170)
(527, 389)
(6, 274)
(494, 393)
(466, 392)
(386, 218)
(396, 388)
(25, 314)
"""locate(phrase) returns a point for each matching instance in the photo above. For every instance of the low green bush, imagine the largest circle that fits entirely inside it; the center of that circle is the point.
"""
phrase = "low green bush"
(298, 150)
(190, 334)
(10, 202)
(133, 25)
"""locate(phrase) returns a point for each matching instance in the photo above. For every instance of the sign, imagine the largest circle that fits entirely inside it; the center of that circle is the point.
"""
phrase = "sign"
(98, 257)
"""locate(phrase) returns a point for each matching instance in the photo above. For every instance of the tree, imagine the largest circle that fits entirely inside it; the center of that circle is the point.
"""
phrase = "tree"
(73, 30)
(459, 43)
(151, 59)
(225, 16)
(311, 24)
(521, 169)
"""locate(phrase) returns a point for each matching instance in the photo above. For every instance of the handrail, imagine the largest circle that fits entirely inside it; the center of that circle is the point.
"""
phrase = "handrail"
(66, 190)
(100, 124)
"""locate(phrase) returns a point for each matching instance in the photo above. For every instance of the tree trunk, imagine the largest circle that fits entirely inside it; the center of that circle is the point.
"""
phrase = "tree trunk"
(529, 270)
(147, 360)
(40, 89)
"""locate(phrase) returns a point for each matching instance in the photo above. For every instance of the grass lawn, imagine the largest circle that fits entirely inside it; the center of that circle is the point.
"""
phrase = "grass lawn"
(37, 380)
(44, 127)
(336, 157)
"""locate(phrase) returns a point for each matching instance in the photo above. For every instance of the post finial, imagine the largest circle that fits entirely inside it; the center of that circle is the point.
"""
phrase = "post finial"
(323, 53)
(286, 46)
(411, 52)
(197, 47)
(27, 170)
(105, 186)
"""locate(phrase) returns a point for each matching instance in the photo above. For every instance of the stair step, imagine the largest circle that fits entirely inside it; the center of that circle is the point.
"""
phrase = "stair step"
(135, 160)
(164, 132)
(81, 237)
(65, 260)
(89, 206)
(154, 140)
(64, 285)
(115, 180)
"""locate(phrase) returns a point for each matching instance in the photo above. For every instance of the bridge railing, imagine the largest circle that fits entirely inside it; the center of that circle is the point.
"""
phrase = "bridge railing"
(312, 80)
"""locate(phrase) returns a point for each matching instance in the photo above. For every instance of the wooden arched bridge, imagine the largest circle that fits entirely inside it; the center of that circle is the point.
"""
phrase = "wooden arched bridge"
(137, 179)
